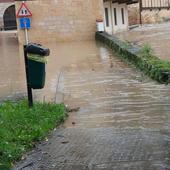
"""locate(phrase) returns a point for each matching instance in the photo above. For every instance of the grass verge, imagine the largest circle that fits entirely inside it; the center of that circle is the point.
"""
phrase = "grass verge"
(142, 58)
(21, 127)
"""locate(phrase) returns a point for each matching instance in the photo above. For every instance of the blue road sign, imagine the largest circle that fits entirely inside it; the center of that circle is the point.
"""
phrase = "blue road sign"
(25, 23)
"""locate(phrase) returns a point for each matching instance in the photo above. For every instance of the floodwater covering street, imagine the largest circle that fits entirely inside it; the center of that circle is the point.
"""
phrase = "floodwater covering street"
(11, 70)
(118, 118)
(157, 35)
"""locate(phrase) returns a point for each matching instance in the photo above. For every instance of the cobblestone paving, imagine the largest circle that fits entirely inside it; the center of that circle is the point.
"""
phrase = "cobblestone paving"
(122, 122)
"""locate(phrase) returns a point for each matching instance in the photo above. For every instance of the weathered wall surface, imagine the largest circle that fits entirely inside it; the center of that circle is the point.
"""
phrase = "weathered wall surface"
(62, 20)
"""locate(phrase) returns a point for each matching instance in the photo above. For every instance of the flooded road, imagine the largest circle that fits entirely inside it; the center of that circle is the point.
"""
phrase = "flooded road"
(157, 35)
(11, 69)
(118, 120)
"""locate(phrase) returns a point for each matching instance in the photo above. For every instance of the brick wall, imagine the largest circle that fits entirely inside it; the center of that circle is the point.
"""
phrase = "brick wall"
(63, 20)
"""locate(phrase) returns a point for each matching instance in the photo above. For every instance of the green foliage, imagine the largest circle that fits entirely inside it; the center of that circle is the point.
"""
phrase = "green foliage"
(126, 44)
(21, 127)
(143, 59)
(146, 50)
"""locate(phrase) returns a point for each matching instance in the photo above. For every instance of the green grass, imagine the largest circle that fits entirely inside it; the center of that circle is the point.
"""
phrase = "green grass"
(21, 127)
(146, 50)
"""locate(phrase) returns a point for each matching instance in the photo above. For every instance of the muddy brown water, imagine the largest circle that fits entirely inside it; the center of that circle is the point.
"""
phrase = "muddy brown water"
(156, 35)
(11, 71)
(122, 118)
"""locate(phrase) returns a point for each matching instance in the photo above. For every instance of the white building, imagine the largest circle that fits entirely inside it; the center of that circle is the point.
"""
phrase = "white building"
(116, 15)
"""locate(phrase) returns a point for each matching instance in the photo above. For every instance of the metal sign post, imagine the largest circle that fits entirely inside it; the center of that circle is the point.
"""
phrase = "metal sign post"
(26, 36)
(29, 89)
(25, 23)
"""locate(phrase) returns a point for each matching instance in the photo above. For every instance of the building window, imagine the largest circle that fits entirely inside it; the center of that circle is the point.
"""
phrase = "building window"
(123, 16)
(107, 17)
(115, 16)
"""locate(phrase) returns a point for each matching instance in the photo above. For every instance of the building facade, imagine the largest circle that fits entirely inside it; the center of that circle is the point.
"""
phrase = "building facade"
(74, 20)
(62, 20)
(116, 15)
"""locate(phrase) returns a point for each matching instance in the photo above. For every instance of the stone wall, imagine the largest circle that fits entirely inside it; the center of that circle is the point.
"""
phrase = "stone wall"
(154, 16)
(62, 20)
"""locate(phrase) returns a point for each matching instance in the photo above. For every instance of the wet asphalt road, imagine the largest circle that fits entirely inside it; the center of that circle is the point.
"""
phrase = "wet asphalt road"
(120, 120)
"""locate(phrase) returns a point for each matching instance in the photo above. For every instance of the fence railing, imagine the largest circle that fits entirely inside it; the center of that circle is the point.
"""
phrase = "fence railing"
(155, 4)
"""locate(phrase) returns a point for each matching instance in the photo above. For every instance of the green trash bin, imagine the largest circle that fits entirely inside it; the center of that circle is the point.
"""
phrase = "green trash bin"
(37, 74)
(36, 60)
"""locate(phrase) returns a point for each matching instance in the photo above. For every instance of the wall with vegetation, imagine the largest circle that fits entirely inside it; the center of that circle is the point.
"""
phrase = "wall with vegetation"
(142, 58)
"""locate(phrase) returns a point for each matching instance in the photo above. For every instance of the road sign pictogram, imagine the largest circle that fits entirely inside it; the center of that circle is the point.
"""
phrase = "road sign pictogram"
(23, 11)
(25, 23)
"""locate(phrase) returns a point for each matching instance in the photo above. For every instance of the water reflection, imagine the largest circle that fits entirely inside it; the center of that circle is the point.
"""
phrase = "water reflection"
(12, 78)
(12, 71)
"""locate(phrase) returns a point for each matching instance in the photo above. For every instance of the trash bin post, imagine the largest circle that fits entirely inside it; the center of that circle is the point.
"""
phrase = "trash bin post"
(29, 89)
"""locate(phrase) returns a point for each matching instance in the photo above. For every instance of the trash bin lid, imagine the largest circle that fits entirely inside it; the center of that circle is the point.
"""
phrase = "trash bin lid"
(35, 48)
